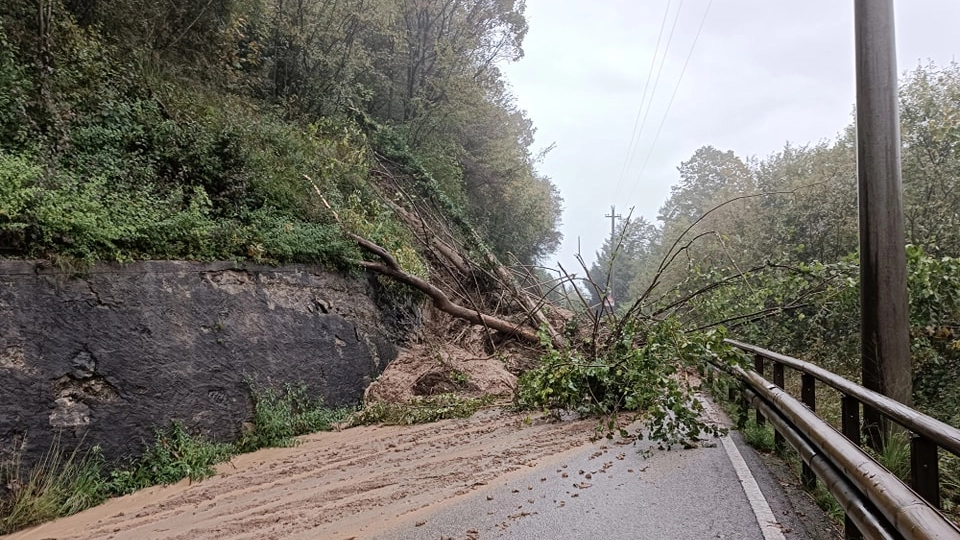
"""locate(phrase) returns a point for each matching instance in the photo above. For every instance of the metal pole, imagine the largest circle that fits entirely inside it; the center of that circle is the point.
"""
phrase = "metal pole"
(885, 347)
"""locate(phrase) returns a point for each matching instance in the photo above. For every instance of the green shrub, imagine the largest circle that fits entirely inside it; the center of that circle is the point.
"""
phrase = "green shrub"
(279, 416)
(174, 455)
(275, 236)
(18, 179)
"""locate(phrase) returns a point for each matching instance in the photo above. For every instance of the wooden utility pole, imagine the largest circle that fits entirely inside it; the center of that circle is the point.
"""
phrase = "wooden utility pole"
(613, 215)
(885, 334)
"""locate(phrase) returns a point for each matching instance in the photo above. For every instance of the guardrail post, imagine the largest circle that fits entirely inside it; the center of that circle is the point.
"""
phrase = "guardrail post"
(850, 418)
(874, 427)
(808, 391)
(850, 530)
(779, 444)
(758, 367)
(925, 469)
(850, 425)
(808, 395)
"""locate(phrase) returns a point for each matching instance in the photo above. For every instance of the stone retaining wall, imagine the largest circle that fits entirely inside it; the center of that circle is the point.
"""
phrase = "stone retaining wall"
(108, 356)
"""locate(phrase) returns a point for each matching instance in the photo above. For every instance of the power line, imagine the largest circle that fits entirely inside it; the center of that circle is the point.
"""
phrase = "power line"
(656, 82)
(636, 122)
(672, 97)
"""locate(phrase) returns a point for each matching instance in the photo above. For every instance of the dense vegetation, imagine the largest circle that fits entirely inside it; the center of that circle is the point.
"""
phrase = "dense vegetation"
(211, 129)
(268, 130)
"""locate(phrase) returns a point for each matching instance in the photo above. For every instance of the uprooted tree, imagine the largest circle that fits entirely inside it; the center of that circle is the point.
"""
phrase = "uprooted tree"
(619, 367)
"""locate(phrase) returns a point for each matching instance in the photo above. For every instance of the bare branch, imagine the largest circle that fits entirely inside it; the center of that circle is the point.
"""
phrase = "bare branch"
(389, 267)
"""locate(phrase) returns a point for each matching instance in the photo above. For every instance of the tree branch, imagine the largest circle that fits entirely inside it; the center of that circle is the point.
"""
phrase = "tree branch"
(390, 267)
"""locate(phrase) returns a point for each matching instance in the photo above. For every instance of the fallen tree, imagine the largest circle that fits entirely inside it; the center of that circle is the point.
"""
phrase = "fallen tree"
(391, 268)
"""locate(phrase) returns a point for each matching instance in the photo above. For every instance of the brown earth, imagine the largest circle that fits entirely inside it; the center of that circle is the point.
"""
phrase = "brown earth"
(458, 357)
(356, 483)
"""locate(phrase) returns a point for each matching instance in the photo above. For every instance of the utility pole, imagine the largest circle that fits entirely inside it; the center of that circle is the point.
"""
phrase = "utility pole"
(885, 336)
(614, 216)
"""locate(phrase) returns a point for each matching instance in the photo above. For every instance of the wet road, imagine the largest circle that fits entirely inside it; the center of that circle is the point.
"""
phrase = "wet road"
(604, 490)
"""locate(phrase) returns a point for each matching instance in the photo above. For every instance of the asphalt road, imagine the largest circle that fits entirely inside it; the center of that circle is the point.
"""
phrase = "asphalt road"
(608, 491)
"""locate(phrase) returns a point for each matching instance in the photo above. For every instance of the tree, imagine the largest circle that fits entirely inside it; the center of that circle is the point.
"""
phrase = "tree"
(706, 179)
(811, 212)
(930, 131)
(628, 254)
(697, 220)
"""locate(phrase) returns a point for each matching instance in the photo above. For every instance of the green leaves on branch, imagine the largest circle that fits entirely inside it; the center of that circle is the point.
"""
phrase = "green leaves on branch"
(812, 311)
(645, 374)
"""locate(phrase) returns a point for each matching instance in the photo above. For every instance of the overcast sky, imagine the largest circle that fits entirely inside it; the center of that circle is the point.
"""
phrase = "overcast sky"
(762, 73)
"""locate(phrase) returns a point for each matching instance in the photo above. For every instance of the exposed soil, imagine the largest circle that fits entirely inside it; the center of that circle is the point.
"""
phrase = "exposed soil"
(459, 357)
(357, 483)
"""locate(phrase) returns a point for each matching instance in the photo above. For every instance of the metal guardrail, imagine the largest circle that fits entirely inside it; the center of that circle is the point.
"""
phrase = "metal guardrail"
(876, 502)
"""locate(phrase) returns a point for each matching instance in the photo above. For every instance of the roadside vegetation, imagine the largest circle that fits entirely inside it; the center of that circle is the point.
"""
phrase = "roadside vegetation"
(67, 481)
(380, 135)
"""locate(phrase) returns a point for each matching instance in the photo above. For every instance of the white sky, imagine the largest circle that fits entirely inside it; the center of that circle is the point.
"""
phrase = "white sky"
(762, 73)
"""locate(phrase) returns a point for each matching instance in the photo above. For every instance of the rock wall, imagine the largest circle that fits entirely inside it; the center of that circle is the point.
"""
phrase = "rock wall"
(106, 357)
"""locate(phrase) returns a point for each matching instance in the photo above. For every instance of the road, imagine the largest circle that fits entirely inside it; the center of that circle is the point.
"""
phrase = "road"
(604, 490)
(491, 476)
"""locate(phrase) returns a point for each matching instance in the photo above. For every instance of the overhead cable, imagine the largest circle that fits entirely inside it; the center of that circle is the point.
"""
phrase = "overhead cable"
(672, 97)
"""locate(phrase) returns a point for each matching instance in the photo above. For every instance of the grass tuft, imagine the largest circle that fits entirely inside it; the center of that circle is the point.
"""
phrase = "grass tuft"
(758, 436)
(895, 456)
(279, 416)
(828, 503)
(420, 410)
(62, 483)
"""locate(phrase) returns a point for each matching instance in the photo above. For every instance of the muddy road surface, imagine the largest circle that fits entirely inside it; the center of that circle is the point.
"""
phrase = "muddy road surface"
(358, 483)
(493, 476)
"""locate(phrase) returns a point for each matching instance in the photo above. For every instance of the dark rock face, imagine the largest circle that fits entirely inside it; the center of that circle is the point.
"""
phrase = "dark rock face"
(107, 357)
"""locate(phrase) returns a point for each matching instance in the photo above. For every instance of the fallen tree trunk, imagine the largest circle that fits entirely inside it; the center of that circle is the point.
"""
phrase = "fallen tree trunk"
(532, 308)
(390, 267)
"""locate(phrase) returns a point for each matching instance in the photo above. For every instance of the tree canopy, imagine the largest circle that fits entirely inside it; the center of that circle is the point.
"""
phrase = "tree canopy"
(220, 108)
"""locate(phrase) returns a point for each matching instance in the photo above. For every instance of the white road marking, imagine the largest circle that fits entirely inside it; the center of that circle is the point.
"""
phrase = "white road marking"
(765, 518)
